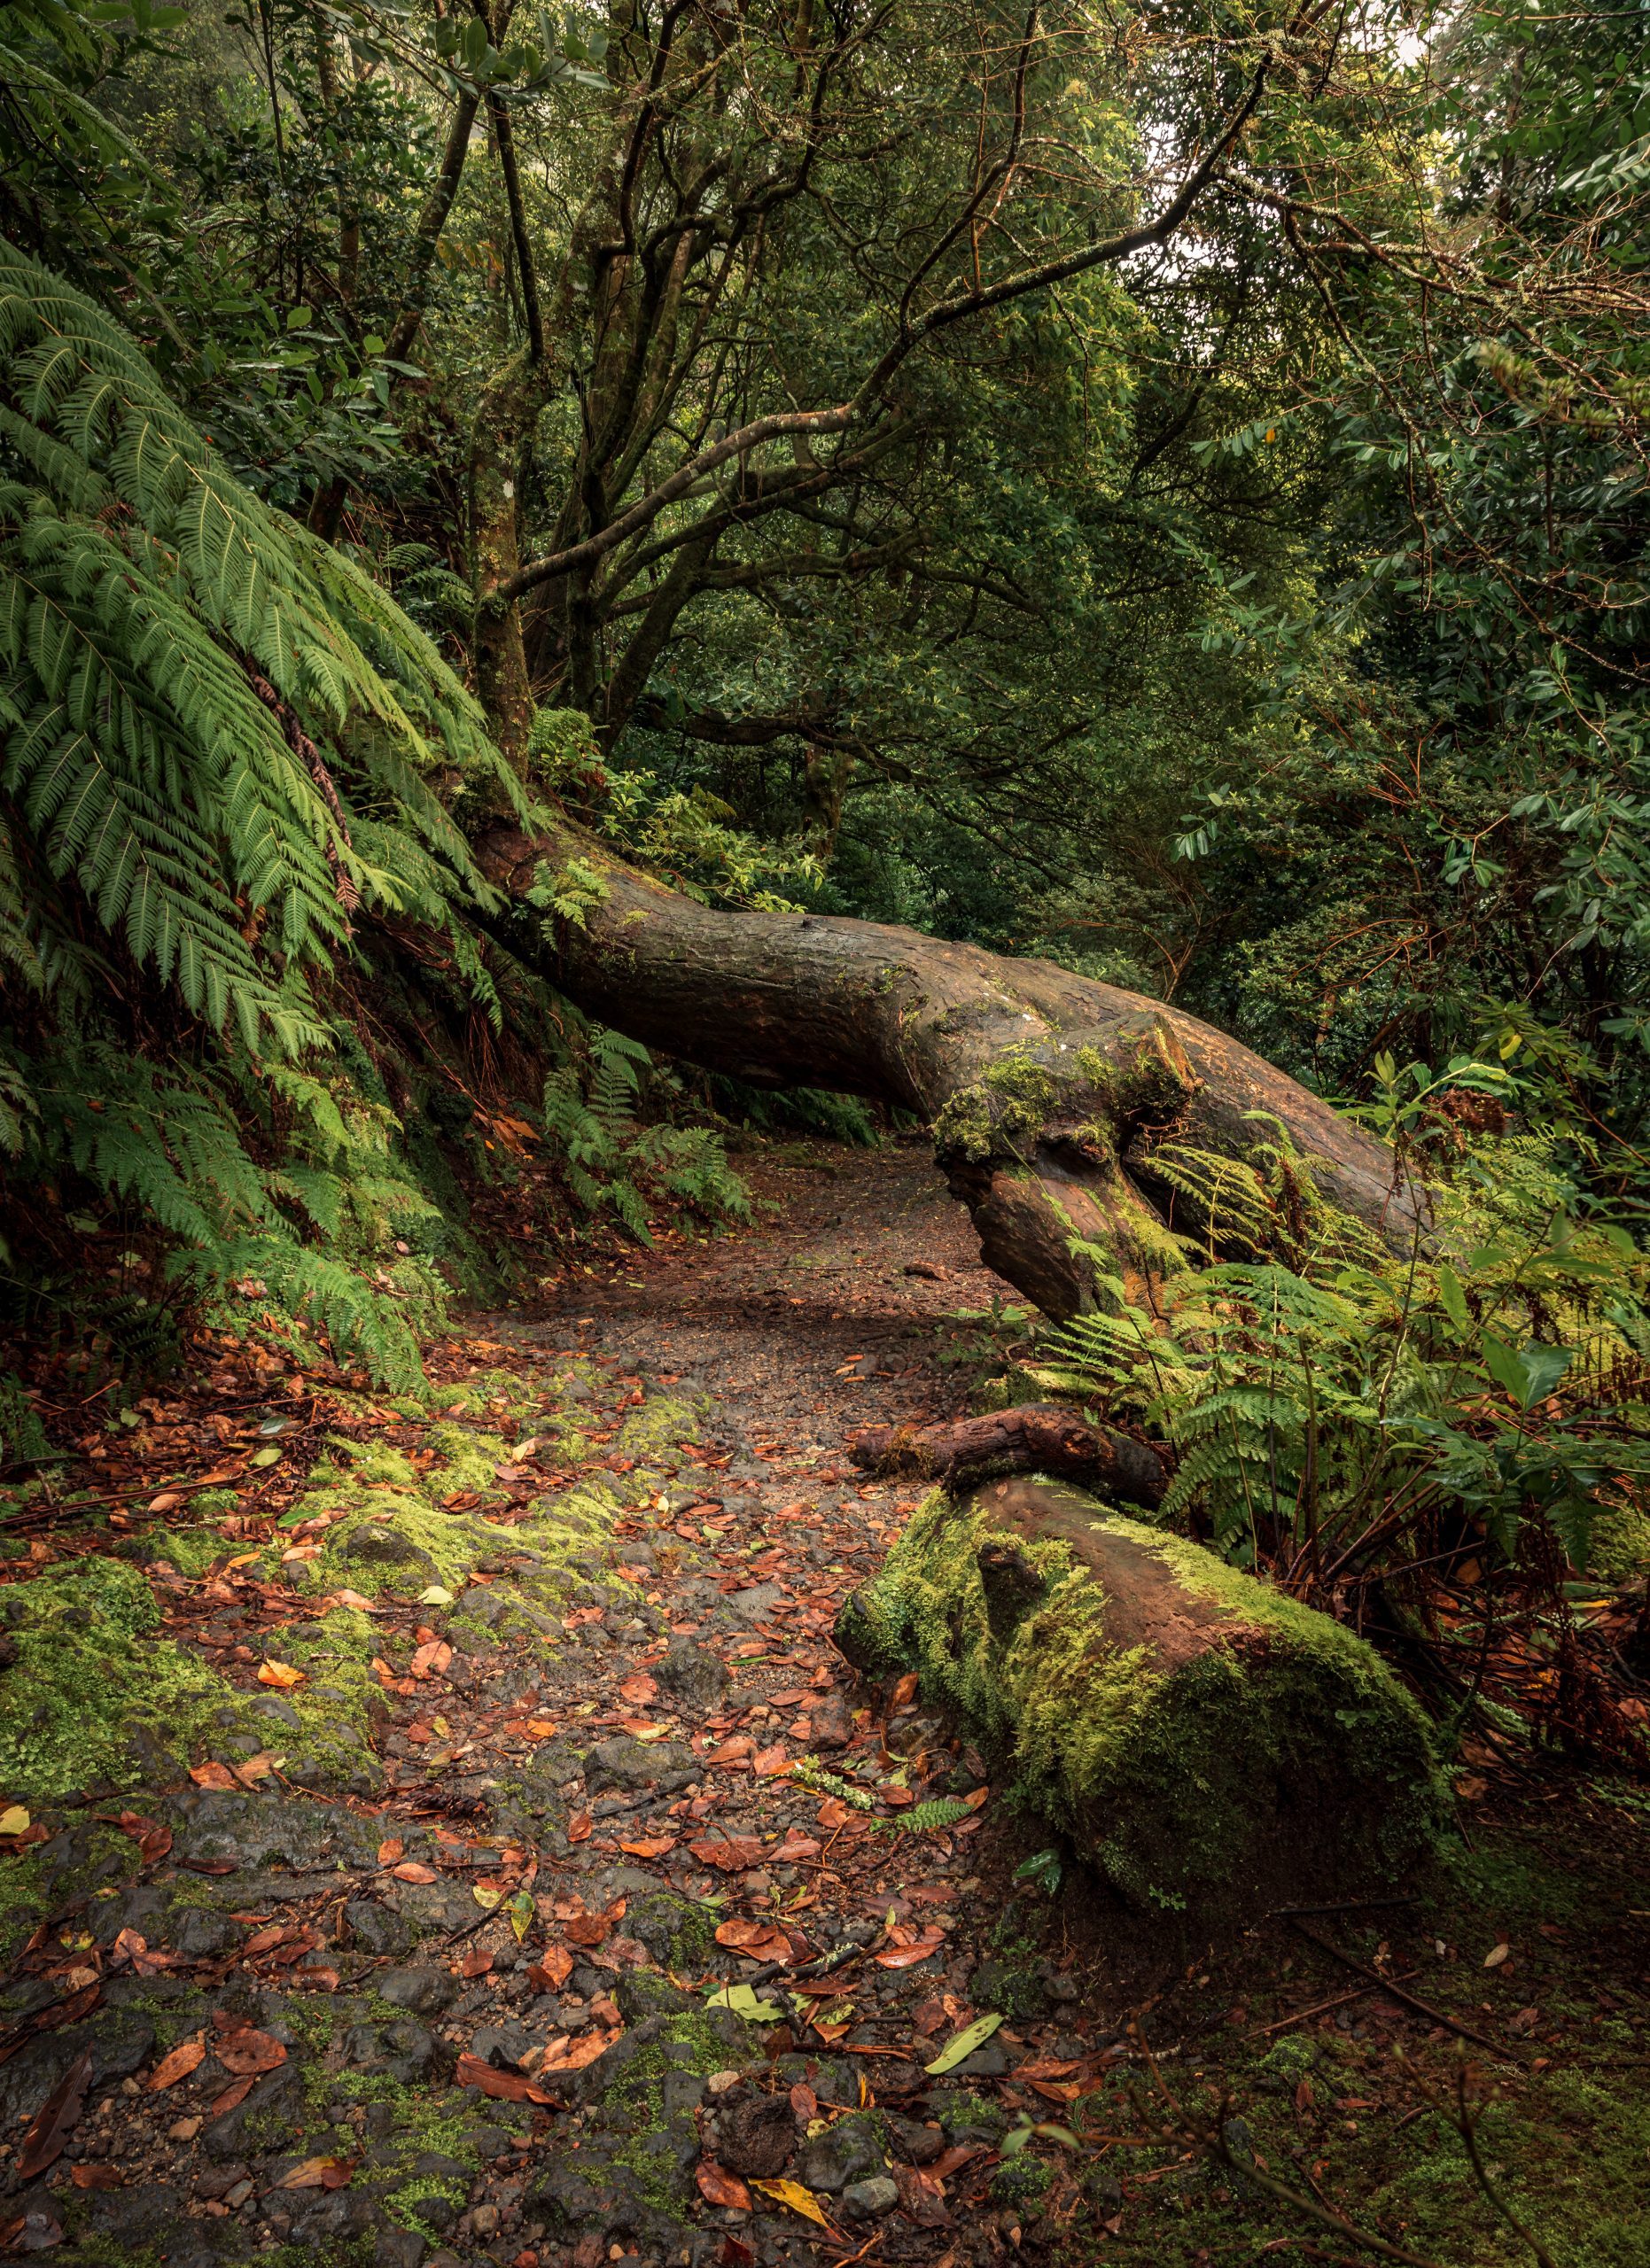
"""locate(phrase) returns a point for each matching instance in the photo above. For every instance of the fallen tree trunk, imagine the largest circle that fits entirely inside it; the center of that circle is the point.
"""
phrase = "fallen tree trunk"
(1211, 1747)
(1063, 1110)
(1037, 1437)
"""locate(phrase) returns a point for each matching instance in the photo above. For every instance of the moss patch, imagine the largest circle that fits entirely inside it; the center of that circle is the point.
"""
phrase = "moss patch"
(93, 1698)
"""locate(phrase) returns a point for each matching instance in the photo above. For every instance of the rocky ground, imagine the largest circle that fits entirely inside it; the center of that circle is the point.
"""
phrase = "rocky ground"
(464, 1845)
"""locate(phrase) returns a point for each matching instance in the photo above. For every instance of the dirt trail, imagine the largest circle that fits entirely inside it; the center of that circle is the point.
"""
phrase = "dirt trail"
(482, 1859)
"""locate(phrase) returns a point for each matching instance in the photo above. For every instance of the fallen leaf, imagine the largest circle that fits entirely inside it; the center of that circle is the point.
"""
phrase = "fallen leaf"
(722, 2188)
(13, 1820)
(413, 1870)
(833, 1812)
(431, 1659)
(233, 2097)
(650, 1847)
(438, 1595)
(503, 2086)
(963, 2045)
(641, 1689)
(538, 1729)
(213, 1776)
(250, 2053)
(391, 1849)
(55, 2120)
(771, 1763)
(183, 2059)
(796, 1845)
(731, 1853)
(318, 2173)
(36, 2231)
(1496, 1954)
(588, 1928)
(272, 1673)
(730, 1752)
(579, 1827)
(907, 1956)
(354, 1598)
(799, 2200)
(550, 1974)
(904, 1691)
(98, 2174)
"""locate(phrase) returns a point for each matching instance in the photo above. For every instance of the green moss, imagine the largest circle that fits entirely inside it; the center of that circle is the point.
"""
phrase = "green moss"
(1163, 1778)
(93, 1696)
(336, 1704)
(1020, 2180)
(659, 1424)
(1620, 1550)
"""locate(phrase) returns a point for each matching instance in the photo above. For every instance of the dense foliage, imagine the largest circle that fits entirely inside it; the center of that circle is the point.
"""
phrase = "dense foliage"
(1163, 491)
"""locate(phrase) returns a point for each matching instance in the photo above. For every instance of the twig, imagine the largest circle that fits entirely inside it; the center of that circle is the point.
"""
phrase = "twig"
(1410, 1999)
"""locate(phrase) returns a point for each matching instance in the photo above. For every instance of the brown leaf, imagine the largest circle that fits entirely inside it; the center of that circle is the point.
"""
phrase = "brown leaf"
(391, 1849)
(233, 2097)
(262, 1940)
(579, 1827)
(722, 2188)
(504, 2086)
(732, 1853)
(183, 2059)
(550, 1974)
(413, 1870)
(772, 1763)
(55, 2120)
(907, 1956)
(653, 1846)
(431, 1659)
(249, 2054)
(731, 1752)
(274, 1673)
(796, 1845)
(213, 1776)
(476, 1961)
(904, 1691)
(319, 2173)
(588, 1928)
(97, 2174)
(641, 1689)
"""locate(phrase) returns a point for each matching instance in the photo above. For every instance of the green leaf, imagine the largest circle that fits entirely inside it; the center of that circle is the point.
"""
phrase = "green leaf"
(743, 2001)
(520, 1912)
(271, 1455)
(1453, 1299)
(958, 2050)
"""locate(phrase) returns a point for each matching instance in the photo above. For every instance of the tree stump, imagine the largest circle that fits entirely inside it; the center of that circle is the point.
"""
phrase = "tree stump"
(1210, 1746)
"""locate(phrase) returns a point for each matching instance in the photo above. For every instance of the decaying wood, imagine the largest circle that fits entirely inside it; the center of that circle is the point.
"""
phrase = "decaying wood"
(1037, 1437)
(1058, 1103)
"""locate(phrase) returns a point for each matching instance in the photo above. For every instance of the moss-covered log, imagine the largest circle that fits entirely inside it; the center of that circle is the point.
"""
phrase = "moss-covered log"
(1064, 1111)
(1213, 1747)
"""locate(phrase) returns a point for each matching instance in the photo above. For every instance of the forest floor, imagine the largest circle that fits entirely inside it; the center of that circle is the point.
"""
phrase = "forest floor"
(452, 1839)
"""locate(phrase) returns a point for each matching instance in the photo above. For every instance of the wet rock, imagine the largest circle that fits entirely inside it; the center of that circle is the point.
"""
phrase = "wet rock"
(623, 1762)
(918, 2144)
(400, 2248)
(421, 1992)
(248, 1831)
(832, 1720)
(269, 2117)
(501, 2045)
(868, 2201)
(693, 1673)
(675, 1931)
(119, 2042)
(847, 2152)
(757, 2136)
(202, 1935)
(333, 2219)
(753, 1604)
(401, 2050)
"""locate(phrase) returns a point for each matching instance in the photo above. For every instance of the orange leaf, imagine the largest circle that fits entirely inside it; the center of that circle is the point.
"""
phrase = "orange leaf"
(833, 1812)
(550, 1974)
(431, 1660)
(248, 2053)
(96, 2176)
(722, 2188)
(213, 1776)
(504, 2086)
(904, 1690)
(184, 2058)
(731, 1853)
(796, 1845)
(898, 1796)
(476, 1961)
(579, 1827)
(907, 1956)
(391, 1849)
(538, 1729)
(650, 1847)
(641, 1689)
(588, 1928)
(731, 1752)
(318, 2173)
(279, 1674)
(412, 1870)
(772, 1763)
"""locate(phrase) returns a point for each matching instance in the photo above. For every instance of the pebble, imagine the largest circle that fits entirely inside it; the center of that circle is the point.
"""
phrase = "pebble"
(184, 2130)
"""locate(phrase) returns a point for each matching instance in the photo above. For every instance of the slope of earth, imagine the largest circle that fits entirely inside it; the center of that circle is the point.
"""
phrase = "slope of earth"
(455, 1840)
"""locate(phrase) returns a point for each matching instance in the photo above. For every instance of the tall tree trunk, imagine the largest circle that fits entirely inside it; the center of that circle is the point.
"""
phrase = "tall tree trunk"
(1062, 1109)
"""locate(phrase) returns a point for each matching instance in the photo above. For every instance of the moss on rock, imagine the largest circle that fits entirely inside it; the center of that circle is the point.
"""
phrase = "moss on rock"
(1252, 1747)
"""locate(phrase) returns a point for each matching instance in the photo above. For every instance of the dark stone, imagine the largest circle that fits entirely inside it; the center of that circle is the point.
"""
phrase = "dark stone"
(675, 1929)
(399, 2248)
(501, 2045)
(220, 1823)
(201, 1935)
(270, 2117)
(623, 1762)
(758, 2134)
(401, 2050)
(375, 1929)
(640, 1994)
(918, 2144)
(423, 1991)
(433, 2210)
(119, 2042)
(693, 1673)
(754, 1603)
(847, 2152)
(147, 2214)
(333, 2217)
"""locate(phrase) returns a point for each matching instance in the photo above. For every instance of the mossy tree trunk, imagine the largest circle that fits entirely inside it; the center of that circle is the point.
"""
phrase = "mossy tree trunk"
(1059, 1104)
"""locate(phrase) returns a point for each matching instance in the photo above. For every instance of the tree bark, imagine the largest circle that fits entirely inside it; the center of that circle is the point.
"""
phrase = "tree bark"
(1037, 1437)
(1063, 1110)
